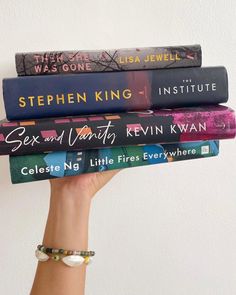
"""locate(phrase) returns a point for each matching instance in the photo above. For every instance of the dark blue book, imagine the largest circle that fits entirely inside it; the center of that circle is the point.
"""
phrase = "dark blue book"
(90, 93)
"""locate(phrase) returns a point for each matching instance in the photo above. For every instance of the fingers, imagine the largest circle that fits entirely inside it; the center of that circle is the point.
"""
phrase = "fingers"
(108, 175)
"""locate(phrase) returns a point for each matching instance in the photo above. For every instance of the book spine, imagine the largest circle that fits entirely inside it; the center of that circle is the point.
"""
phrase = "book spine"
(71, 95)
(123, 129)
(67, 62)
(60, 164)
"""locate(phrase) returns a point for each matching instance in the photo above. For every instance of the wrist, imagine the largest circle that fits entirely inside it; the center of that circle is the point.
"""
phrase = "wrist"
(70, 193)
(68, 220)
(71, 205)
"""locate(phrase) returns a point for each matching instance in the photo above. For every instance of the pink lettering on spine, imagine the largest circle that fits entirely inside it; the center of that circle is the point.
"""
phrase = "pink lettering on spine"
(9, 124)
(134, 127)
(2, 137)
(60, 121)
(79, 120)
(48, 133)
(96, 118)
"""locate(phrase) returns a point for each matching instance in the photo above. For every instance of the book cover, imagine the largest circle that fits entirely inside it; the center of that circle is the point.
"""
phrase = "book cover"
(60, 164)
(123, 129)
(67, 62)
(72, 95)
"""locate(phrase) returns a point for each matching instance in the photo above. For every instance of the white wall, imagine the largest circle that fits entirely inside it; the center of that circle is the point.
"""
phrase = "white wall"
(165, 230)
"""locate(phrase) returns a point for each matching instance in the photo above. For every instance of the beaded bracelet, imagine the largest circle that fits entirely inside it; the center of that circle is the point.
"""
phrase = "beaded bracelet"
(69, 257)
(64, 252)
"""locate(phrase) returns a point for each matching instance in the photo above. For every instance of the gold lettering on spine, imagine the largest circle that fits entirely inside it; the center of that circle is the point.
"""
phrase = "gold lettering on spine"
(22, 103)
(162, 57)
(49, 99)
(31, 99)
(128, 59)
(106, 95)
(62, 99)
(127, 93)
(112, 95)
(80, 97)
(70, 98)
(40, 101)
(159, 57)
(152, 57)
(98, 95)
(166, 57)
(177, 57)
(115, 94)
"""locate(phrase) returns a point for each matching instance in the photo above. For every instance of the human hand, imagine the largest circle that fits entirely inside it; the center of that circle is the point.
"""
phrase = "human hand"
(84, 186)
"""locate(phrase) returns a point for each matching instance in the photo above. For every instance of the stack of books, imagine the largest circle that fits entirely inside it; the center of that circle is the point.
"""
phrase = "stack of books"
(73, 112)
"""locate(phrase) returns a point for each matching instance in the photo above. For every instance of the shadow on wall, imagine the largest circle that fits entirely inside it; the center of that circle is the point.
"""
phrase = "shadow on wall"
(5, 178)
(7, 71)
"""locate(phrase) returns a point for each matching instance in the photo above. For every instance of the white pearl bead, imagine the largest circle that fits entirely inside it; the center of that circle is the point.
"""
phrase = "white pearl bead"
(41, 256)
(73, 260)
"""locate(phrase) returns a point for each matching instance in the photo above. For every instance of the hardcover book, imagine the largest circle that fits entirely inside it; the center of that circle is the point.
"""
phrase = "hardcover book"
(65, 62)
(72, 95)
(123, 129)
(61, 164)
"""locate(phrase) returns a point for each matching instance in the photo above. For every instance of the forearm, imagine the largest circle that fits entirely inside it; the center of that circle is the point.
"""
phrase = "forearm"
(67, 228)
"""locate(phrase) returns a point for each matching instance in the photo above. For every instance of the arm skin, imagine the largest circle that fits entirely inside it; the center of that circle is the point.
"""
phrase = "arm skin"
(67, 228)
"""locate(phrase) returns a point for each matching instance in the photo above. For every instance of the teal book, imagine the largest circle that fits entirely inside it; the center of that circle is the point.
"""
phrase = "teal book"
(43, 166)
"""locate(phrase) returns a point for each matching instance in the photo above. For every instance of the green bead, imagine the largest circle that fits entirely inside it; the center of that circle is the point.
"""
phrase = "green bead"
(56, 257)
